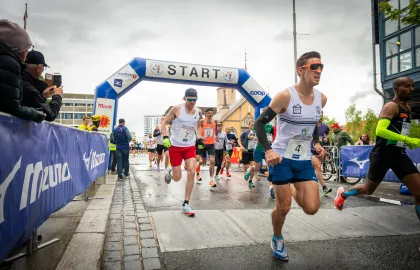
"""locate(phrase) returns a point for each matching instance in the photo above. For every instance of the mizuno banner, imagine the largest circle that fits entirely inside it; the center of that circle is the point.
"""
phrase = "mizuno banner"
(42, 168)
(355, 161)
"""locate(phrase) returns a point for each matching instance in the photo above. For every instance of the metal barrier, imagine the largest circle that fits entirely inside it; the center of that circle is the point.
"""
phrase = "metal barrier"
(329, 165)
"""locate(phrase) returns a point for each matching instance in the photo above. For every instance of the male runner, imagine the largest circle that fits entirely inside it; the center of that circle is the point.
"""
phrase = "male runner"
(299, 108)
(389, 151)
(160, 149)
(247, 142)
(185, 135)
(323, 131)
(208, 132)
(228, 151)
(150, 145)
(220, 141)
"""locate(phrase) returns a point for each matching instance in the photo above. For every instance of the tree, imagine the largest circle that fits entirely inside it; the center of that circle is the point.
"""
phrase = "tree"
(356, 123)
(409, 16)
(415, 130)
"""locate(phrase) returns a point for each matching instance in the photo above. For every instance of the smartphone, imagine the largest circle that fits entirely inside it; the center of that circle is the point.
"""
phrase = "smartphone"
(57, 79)
(53, 79)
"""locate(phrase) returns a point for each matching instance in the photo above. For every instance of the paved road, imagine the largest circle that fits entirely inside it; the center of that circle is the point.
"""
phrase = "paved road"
(232, 228)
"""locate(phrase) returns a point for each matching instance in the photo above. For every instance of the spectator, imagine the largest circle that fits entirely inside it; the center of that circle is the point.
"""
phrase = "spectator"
(36, 91)
(14, 46)
(85, 125)
(113, 156)
(364, 140)
(340, 137)
(122, 138)
(96, 120)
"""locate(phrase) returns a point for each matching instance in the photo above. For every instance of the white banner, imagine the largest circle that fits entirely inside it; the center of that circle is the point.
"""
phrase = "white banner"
(254, 89)
(191, 72)
(123, 78)
(105, 107)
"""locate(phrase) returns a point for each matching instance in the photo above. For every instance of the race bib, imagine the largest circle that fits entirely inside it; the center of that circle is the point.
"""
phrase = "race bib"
(297, 148)
(252, 144)
(186, 134)
(208, 132)
(406, 127)
(228, 146)
(219, 143)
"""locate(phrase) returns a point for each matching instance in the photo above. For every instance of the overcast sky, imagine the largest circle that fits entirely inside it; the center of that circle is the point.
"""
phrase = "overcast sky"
(87, 41)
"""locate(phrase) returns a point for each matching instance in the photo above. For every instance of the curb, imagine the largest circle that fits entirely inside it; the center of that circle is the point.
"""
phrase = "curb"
(387, 201)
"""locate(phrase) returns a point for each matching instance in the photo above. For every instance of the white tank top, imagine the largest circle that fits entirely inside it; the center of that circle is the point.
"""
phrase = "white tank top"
(296, 125)
(184, 128)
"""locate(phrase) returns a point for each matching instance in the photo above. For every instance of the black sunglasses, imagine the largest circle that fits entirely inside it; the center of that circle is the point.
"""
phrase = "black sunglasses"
(314, 67)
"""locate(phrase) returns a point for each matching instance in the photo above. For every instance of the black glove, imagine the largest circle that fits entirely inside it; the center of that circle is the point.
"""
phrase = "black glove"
(200, 144)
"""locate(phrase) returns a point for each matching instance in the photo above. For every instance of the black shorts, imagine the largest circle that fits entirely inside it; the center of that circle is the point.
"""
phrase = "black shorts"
(160, 149)
(392, 158)
(247, 157)
(208, 149)
(218, 157)
(151, 150)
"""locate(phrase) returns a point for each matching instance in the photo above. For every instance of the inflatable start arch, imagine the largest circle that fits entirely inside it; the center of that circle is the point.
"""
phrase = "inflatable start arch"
(139, 69)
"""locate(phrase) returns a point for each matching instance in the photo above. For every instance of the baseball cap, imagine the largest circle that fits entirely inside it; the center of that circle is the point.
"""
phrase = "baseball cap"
(14, 36)
(335, 125)
(121, 120)
(190, 92)
(35, 58)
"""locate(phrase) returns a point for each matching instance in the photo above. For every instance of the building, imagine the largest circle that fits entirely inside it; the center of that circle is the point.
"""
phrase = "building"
(399, 50)
(74, 108)
(150, 122)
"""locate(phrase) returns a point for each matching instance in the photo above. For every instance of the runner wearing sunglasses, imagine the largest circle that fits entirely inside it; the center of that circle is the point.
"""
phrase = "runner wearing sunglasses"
(392, 133)
(182, 145)
(298, 108)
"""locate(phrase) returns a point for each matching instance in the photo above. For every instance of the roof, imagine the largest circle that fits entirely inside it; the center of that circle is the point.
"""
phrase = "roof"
(232, 108)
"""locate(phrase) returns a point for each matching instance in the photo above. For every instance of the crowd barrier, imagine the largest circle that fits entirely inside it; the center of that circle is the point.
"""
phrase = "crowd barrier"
(355, 161)
(43, 166)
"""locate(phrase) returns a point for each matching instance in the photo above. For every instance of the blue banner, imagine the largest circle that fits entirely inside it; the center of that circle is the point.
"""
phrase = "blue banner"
(355, 161)
(42, 168)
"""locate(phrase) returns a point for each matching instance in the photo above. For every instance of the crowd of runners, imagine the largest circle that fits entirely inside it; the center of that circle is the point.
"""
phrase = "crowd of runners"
(289, 140)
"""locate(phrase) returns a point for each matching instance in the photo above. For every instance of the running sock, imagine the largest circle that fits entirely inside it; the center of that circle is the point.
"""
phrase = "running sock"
(278, 238)
(353, 192)
(185, 202)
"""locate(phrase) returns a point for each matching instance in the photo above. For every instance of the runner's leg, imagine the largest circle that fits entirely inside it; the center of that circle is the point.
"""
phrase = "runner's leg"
(316, 163)
(412, 181)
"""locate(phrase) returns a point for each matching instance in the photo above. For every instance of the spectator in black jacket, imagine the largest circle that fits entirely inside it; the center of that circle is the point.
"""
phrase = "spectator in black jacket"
(14, 46)
(36, 91)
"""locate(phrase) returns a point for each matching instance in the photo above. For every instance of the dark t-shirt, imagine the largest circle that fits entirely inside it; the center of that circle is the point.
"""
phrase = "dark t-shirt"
(323, 130)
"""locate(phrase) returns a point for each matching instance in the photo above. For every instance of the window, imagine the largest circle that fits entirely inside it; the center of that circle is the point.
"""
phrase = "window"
(405, 40)
(392, 65)
(406, 61)
(79, 115)
(68, 104)
(404, 3)
(58, 116)
(418, 57)
(79, 104)
(417, 36)
(391, 46)
(391, 27)
(67, 116)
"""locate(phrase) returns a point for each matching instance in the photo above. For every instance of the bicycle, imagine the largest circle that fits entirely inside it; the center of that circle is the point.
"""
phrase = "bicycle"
(329, 168)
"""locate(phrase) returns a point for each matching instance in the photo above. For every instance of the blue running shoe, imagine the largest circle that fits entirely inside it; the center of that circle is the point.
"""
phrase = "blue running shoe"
(247, 174)
(279, 249)
(272, 193)
(168, 177)
(188, 211)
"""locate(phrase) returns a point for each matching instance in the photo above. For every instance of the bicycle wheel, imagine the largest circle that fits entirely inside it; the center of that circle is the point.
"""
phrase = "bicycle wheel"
(351, 180)
(327, 170)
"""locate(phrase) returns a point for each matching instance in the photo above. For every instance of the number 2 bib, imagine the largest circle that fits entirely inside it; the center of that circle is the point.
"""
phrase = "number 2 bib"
(298, 146)
(404, 131)
(186, 133)
(252, 144)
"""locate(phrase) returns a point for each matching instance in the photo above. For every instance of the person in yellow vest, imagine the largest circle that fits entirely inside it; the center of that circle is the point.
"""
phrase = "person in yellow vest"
(113, 155)
(85, 125)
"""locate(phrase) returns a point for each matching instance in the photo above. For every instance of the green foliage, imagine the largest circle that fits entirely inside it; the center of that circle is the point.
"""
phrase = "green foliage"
(329, 121)
(415, 130)
(409, 16)
(356, 123)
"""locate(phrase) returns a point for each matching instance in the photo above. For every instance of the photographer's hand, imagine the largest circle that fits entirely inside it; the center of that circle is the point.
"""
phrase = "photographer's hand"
(48, 92)
(58, 91)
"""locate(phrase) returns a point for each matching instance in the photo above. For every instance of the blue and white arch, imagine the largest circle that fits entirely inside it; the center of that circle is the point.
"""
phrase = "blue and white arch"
(139, 69)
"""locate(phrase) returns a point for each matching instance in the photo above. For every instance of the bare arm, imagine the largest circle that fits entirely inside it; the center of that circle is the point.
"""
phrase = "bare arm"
(169, 117)
(199, 124)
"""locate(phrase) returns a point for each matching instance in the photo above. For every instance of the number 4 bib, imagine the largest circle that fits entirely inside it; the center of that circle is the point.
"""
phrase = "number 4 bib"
(297, 148)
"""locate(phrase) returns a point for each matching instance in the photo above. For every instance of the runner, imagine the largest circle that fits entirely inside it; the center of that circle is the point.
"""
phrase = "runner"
(259, 153)
(389, 151)
(247, 142)
(228, 151)
(160, 148)
(220, 148)
(208, 132)
(299, 108)
(185, 135)
(150, 145)
(323, 131)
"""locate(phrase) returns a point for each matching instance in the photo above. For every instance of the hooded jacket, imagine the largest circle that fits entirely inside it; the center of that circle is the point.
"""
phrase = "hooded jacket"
(11, 91)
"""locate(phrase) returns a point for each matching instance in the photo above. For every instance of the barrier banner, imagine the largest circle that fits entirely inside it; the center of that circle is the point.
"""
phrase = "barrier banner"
(355, 161)
(236, 155)
(42, 168)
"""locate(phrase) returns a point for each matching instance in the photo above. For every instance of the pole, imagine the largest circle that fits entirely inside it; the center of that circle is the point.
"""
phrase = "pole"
(294, 39)
(25, 16)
